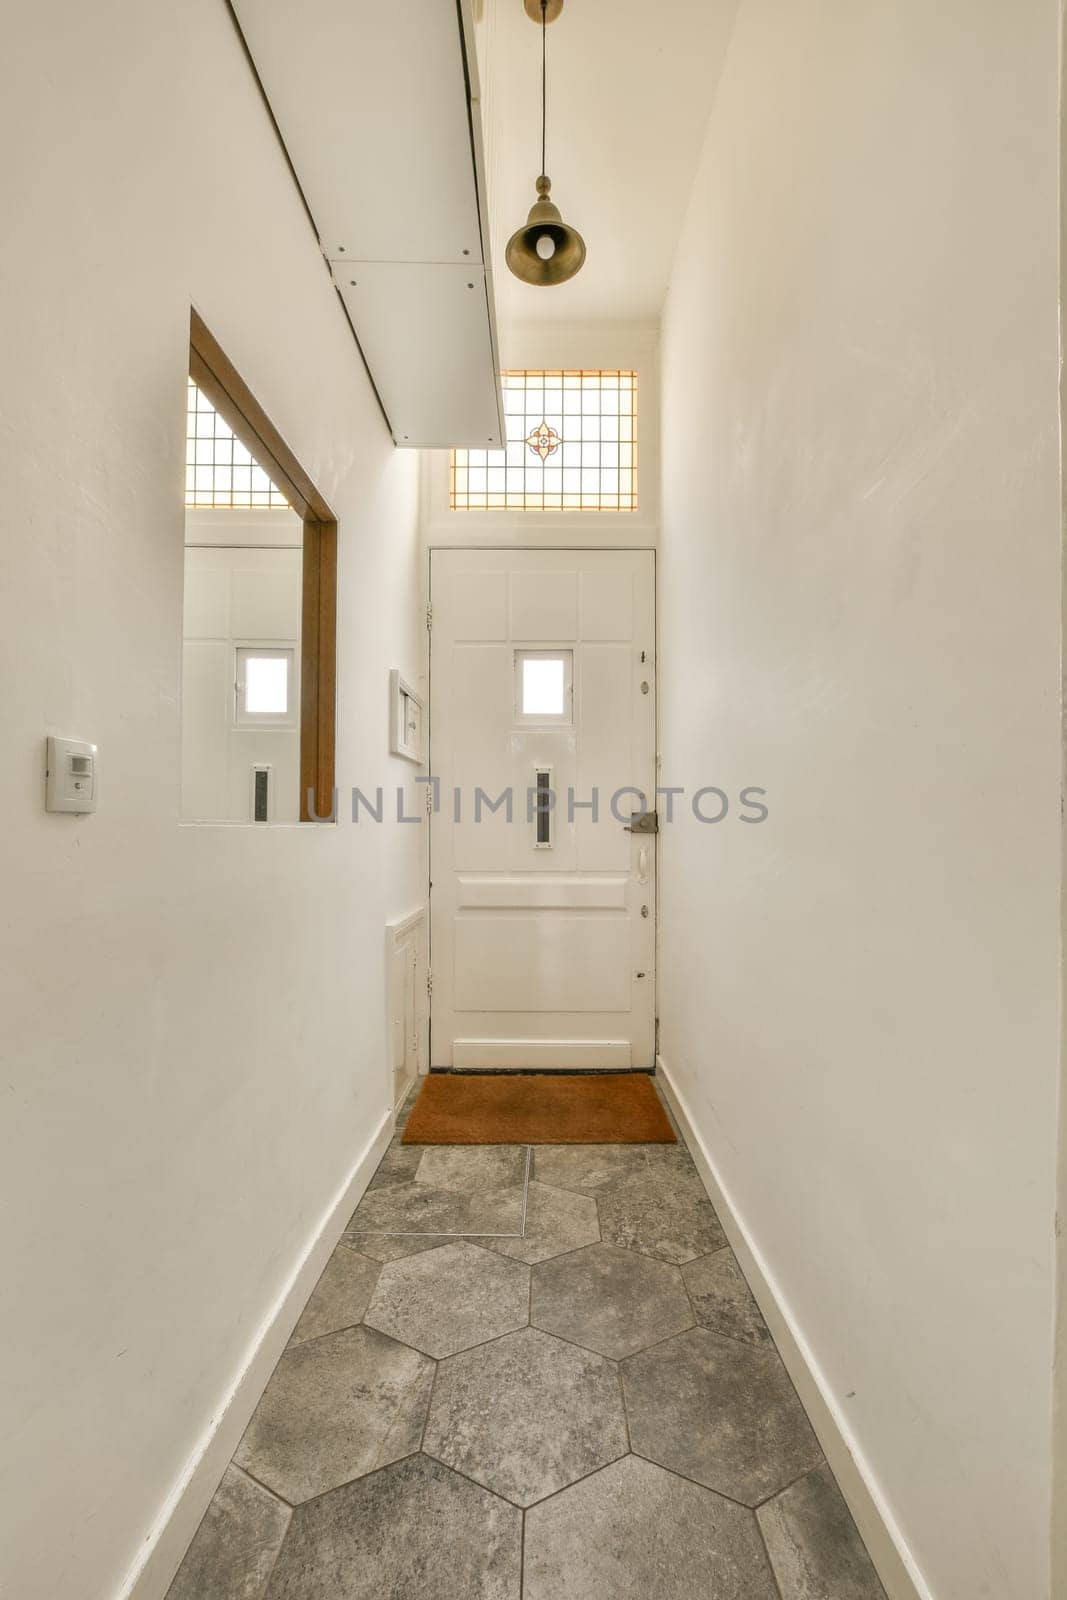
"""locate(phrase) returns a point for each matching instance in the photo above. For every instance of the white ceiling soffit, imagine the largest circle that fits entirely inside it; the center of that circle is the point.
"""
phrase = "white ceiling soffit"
(372, 103)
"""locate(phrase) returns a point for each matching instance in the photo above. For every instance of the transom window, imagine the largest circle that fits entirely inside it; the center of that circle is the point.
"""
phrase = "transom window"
(571, 446)
(219, 471)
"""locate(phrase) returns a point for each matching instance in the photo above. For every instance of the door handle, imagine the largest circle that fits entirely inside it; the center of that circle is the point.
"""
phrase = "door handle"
(643, 822)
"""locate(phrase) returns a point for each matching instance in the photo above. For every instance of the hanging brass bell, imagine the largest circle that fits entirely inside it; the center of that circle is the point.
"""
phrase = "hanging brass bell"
(545, 251)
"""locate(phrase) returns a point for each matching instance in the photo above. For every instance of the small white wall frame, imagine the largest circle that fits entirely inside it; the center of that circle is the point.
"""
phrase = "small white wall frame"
(405, 719)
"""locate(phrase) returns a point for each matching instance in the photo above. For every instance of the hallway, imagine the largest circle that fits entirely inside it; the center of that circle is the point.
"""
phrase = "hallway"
(616, 633)
(565, 1392)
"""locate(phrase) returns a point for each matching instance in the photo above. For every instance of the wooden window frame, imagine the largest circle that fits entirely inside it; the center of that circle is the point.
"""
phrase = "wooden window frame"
(213, 372)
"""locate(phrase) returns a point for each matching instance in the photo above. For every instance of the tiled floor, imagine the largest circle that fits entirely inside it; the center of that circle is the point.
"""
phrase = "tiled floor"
(534, 1373)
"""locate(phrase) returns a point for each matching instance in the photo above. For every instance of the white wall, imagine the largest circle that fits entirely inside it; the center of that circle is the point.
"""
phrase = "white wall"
(192, 1017)
(861, 612)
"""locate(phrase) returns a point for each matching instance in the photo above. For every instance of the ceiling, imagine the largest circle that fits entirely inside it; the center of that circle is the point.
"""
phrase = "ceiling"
(630, 86)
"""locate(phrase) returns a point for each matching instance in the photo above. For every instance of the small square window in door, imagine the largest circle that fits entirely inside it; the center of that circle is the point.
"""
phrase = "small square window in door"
(263, 686)
(544, 685)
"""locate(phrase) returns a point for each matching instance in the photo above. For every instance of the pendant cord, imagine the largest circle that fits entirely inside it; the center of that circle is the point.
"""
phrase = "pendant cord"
(544, 89)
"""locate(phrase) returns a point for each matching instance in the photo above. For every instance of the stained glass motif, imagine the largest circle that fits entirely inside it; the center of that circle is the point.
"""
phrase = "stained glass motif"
(543, 441)
(571, 446)
(219, 471)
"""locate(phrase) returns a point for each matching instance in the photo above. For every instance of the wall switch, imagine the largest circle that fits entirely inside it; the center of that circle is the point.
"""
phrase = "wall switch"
(72, 779)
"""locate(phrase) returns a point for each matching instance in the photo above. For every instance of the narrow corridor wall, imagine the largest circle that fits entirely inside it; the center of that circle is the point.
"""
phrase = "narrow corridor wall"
(192, 1019)
(860, 612)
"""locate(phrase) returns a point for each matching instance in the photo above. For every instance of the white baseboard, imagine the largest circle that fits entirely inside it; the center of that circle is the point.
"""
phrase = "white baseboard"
(168, 1539)
(888, 1550)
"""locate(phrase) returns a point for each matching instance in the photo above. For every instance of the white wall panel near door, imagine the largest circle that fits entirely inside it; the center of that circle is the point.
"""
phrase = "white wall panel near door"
(405, 946)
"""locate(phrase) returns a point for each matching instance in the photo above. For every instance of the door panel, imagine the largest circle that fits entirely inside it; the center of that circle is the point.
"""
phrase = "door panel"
(547, 962)
(544, 605)
(542, 947)
(521, 893)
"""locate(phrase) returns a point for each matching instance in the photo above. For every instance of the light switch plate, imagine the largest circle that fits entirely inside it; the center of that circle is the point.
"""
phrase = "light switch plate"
(71, 782)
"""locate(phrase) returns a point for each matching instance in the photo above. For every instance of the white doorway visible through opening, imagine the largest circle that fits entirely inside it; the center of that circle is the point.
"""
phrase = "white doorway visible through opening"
(542, 688)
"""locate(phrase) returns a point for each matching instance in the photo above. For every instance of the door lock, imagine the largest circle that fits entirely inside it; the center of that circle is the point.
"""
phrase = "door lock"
(643, 822)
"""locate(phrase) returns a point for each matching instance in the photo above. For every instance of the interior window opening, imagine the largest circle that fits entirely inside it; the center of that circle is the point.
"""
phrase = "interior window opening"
(259, 612)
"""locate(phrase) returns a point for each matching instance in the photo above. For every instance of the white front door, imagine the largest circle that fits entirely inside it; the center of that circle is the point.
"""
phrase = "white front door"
(542, 690)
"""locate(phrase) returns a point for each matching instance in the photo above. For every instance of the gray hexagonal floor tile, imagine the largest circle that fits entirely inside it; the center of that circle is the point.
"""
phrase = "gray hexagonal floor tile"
(720, 1412)
(526, 1415)
(341, 1295)
(400, 1121)
(723, 1300)
(415, 1531)
(633, 1531)
(420, 1208)
(602, 1168)
(814, 1545)
(446, 1300)
(394, 1246)
(668, 1216)
(334, 1408)
(412, 1208)
(610, 1300)
(235, 1546)
(398, 1165)
(557, 1220)
(408, 1208)
(469, 1169)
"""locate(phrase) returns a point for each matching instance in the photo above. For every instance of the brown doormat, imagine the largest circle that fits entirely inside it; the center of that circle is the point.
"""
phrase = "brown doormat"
(537, 1108)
